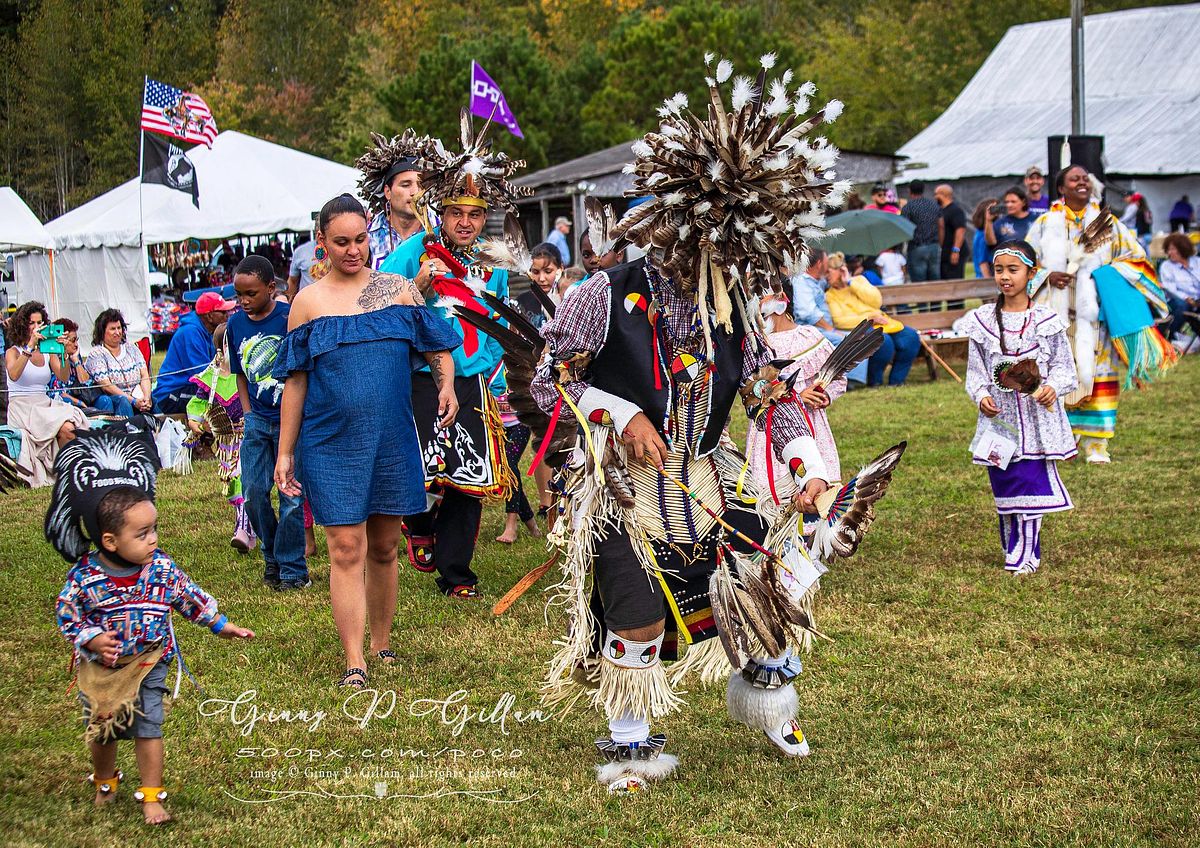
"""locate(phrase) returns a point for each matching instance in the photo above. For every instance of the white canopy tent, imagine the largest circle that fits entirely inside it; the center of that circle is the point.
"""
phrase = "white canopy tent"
(247, 186)
(21, 232)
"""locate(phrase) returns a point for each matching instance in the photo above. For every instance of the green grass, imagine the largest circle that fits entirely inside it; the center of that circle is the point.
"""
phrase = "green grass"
(955, 705)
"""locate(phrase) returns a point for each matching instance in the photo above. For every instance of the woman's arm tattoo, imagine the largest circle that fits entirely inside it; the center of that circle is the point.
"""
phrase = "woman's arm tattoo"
(381, 290)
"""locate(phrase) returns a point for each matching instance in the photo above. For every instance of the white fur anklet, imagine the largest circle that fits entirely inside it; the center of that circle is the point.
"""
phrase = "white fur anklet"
(762, 709)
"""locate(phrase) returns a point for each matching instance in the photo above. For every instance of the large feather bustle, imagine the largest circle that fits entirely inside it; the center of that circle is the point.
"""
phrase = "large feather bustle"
(475, 171)
(739, 188)
(379, 159)
(853, 508)
(859, 344)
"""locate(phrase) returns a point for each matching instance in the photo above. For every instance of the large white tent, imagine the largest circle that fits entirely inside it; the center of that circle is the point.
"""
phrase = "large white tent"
(20, 232)
(19, 227)
(247, 186)
(1142, 75)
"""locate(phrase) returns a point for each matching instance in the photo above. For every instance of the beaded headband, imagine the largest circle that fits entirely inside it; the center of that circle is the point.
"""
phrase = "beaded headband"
(1008, 251)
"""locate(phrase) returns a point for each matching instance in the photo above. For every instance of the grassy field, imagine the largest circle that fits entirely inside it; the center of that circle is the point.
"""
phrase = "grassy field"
(955, 705)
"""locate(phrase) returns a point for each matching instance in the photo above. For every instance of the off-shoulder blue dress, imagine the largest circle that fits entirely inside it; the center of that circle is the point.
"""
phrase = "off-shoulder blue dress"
(358, 453)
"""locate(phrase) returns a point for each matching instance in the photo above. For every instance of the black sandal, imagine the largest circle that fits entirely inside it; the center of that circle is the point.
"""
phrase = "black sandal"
(354, 684)
(387, 654)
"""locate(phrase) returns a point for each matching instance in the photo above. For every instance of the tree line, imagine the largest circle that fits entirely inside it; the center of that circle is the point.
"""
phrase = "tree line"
(580, 75)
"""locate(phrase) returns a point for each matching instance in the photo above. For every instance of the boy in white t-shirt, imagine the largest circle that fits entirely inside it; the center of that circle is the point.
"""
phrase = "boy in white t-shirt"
(891, 267)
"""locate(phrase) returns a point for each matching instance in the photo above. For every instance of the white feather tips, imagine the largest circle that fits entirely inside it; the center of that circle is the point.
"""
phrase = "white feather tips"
(473, 166)
(702, 208)
(767, 60)
(807, 90)
(708, 58)
(833, 110)
(642, 150)
(724, 71)
(743, 92)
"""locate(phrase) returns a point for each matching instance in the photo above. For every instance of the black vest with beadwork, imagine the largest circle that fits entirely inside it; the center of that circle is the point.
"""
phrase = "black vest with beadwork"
(625, 366)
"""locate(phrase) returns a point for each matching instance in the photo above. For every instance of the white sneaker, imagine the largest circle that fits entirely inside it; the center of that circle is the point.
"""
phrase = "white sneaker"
(789, 739)
(1027, 569)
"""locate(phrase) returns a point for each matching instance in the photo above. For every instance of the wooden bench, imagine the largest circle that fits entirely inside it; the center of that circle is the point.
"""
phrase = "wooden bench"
(933, 298)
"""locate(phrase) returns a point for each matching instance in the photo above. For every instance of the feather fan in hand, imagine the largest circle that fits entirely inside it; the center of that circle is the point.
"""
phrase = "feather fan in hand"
(847, 514)
(859, 344)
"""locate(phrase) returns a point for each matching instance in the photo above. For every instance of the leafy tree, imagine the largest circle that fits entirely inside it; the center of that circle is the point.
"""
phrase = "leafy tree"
(429, 99)
(654, 54)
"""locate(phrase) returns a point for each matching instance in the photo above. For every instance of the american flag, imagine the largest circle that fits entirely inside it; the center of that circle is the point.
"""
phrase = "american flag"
(178, 113)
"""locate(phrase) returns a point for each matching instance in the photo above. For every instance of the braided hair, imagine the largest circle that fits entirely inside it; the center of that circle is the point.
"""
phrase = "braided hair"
(1025, 248)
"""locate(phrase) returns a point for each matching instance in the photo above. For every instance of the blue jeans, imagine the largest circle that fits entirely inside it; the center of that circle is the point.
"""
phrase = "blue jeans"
(283, 538)
(114, 405)
(1179, 306)
(924, 262)
(858, 373)
(899, 350)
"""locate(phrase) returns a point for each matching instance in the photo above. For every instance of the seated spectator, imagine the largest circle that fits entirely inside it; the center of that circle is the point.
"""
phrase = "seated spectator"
(1179, 274)
(810, 309)
(1014, 224)
(45, 424)
(78, 390)
(983, 219)
(118, 367)
(190, 352)
(891, 264)
(852, 299)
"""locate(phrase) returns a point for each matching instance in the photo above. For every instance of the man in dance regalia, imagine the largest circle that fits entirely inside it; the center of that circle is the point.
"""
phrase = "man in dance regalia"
(663, 540)
(465, 463)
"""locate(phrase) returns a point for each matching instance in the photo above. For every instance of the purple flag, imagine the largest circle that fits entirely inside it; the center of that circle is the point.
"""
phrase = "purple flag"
(487, 100)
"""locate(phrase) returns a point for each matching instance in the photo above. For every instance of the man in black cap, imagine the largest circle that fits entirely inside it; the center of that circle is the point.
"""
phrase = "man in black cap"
(391, 182)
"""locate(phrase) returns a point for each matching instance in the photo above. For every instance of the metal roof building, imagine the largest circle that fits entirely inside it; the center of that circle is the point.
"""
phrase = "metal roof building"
(1142, 84)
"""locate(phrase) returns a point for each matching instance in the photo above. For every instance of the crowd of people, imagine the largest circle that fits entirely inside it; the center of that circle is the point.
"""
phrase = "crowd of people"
(663, 530)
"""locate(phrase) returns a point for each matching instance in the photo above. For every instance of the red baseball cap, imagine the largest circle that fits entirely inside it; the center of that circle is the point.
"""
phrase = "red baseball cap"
(213, 302)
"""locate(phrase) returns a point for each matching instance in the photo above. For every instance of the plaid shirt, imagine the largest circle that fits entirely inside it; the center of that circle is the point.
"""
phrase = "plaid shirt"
(91, 603)
(581, 324)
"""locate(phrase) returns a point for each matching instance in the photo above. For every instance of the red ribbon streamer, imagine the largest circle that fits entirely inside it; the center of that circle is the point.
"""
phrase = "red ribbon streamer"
(541, 454)
(453, 286)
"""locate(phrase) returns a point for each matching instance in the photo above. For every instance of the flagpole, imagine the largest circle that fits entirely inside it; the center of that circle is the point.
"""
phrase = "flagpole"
(141, 166)
(141, 219)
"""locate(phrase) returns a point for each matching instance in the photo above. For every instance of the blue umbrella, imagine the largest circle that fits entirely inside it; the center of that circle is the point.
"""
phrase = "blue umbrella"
(867, 232)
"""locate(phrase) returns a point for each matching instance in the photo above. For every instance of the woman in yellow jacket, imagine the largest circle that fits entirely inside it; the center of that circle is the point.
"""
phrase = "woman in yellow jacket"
(850, 300)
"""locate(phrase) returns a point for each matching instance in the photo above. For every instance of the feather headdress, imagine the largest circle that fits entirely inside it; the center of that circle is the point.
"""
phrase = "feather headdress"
(476, 176)
(90, 466)
(383, 160)
(735, 194)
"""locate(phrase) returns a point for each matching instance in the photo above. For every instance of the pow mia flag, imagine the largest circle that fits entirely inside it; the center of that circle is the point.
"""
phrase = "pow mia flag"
(166, 163)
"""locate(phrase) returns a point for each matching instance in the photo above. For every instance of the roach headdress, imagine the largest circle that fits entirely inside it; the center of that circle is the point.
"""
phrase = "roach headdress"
(90, 466)
(733, 195)
(474, 177)
(383, 160)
